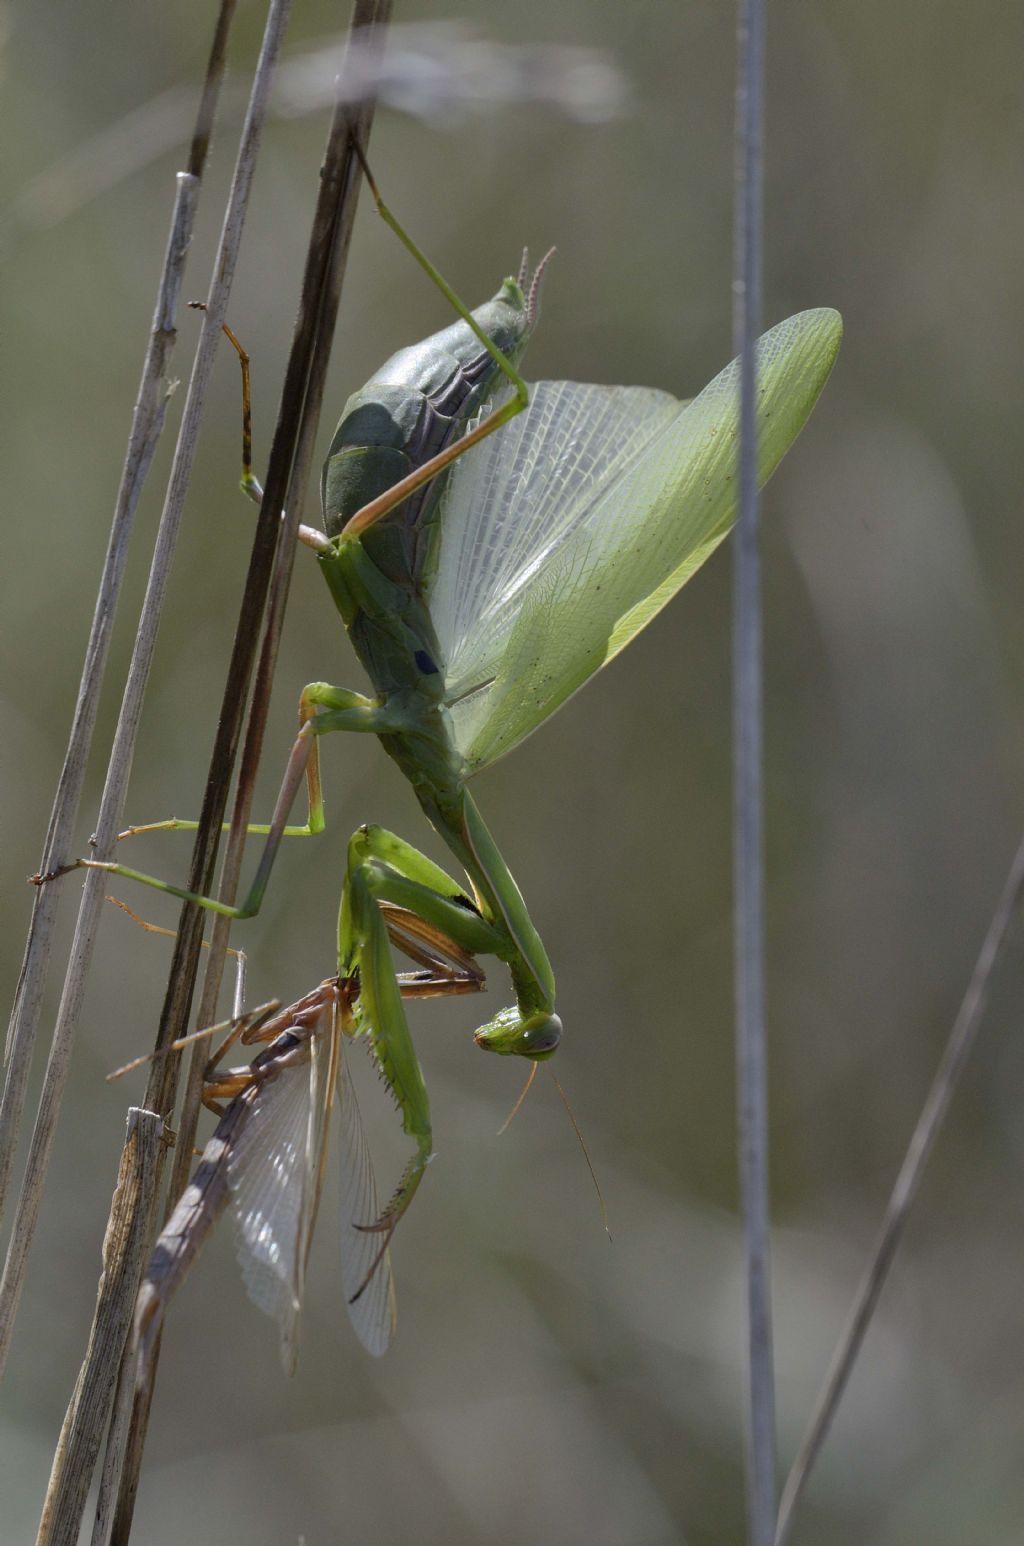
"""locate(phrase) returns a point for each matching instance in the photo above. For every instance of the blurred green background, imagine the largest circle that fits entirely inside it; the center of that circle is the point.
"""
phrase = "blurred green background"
(546, 1386)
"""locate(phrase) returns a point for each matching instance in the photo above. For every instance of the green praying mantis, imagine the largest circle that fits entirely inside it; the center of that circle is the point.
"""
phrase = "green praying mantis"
(489, 546)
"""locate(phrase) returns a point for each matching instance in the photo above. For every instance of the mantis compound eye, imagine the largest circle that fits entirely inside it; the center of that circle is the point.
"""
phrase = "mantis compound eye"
(540, 1037)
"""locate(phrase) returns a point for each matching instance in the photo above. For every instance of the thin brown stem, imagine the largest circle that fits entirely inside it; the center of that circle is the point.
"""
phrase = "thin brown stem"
(270, 569)
(125, 1251)
(147, 422)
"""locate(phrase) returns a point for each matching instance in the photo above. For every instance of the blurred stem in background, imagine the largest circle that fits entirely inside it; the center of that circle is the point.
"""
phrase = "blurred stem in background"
(748, 796)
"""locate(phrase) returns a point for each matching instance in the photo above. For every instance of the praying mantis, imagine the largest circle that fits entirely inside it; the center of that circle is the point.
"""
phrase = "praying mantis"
(489, 547)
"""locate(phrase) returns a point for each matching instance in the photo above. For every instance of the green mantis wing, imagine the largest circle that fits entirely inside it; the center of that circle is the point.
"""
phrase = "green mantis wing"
(566, 533)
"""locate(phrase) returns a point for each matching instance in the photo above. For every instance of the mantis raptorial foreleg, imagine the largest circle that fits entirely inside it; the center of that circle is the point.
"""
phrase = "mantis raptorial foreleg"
(446, 969)
(383, 874)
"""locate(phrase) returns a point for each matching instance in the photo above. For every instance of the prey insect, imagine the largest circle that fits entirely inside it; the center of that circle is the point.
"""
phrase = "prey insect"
(483, 577)
(268, 1153)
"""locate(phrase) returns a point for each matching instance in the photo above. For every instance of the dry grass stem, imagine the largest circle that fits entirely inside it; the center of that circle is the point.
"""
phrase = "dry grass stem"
(125, 1251)
(270, 568)
(147, 423)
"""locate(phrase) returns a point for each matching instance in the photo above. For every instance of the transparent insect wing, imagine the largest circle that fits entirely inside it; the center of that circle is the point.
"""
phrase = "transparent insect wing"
(629, 522)
(515, 500)
(373, 1313)
(274, 1173)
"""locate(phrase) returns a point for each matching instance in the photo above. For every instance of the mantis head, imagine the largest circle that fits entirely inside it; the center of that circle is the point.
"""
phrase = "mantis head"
(533, 1036)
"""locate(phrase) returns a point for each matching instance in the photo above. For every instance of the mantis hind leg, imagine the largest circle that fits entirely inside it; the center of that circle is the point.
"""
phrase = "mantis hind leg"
(381, 506)
(249, 483)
